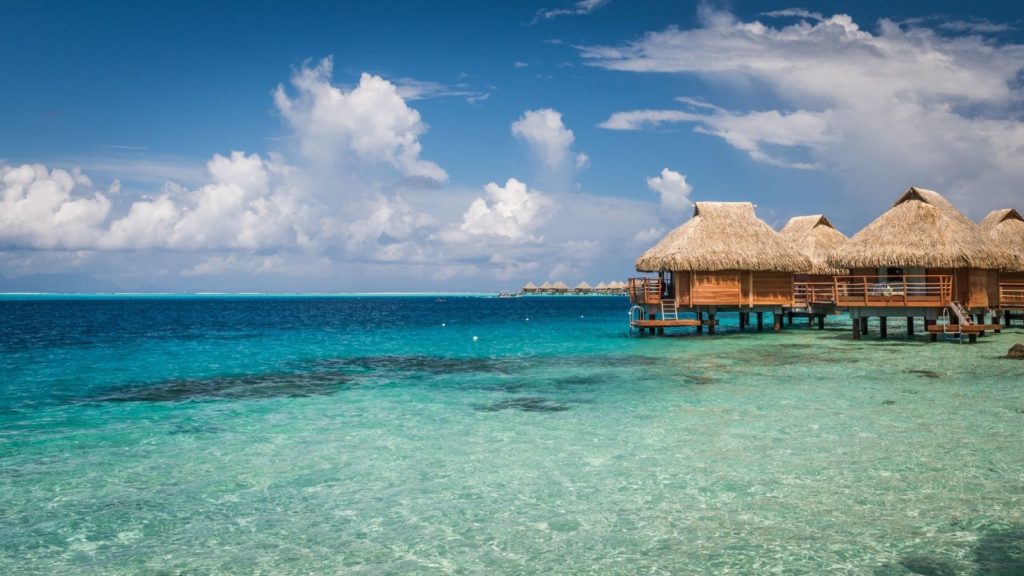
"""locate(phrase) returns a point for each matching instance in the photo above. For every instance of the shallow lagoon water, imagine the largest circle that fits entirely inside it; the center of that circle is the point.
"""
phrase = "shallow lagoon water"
(373, 435)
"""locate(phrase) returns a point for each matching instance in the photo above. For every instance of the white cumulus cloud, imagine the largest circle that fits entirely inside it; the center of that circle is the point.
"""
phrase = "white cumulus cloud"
(371, 121)
(673, 189)
(547, 136)
(42, 208)
(511, 211)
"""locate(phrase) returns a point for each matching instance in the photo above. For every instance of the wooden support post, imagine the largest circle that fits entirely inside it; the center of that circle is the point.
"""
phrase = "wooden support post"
(700, 325)
(933, 337)
(744, 318)
(883, 327)
(777, 317)
(760, 321)
(972, 338)
(910, 325)
(856, 328)
(711, 323)
(661, 330)
(789, 318)
(1006, 318)
(821, 321)
(864, 325)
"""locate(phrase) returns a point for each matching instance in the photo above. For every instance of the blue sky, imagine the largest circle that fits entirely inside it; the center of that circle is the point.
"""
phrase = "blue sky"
(401, 146)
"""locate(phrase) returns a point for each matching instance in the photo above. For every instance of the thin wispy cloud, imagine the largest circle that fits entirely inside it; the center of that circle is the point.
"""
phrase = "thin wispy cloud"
(579, 8)
(412, 89)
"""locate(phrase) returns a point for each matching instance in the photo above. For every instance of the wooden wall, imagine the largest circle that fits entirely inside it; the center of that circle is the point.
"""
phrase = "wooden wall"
(681, 281)
(716, 288)
(733, 288)
(773, 288)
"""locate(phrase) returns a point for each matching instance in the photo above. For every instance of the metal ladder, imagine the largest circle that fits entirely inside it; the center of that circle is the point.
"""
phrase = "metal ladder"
(669, 311)
(961, 314)
(948, 331)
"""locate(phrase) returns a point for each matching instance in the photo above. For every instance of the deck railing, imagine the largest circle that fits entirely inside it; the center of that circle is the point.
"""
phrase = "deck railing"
(810, 293)
(1011, 294)
(896, 291)
(645, 290)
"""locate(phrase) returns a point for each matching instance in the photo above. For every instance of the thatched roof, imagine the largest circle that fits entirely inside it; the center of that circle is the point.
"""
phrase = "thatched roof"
(583, 286)
(723, 236)
(1006, 227)
(529, 286)
(816, 238)
(921, 229)
(601, 286)
(546, 286)
(559, 286)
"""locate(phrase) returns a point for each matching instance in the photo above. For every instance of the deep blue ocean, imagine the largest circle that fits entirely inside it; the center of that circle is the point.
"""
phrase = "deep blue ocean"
(473, 435)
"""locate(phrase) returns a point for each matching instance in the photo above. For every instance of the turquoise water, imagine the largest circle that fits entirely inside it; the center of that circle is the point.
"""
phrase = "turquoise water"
(374, 435)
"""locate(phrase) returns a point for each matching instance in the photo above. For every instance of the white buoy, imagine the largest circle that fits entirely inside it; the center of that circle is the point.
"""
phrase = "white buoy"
(475, 338)
(443, 324)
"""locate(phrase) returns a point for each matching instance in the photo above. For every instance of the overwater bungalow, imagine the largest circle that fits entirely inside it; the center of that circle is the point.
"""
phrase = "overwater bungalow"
(1006, 228)
(560, 287)
(723, 259)
(530, 288)
(583, 288)
(601, 288)
(921, 258)
(546, 288)
(815, 237)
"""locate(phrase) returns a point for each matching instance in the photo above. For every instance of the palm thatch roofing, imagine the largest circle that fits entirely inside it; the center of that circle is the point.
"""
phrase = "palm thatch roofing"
(583, 286)
(559, 286)
(922, 229)
(816, 238)
(723, 236)
(530, 286)
(1006, 227)
(601, 286)
(546, 286)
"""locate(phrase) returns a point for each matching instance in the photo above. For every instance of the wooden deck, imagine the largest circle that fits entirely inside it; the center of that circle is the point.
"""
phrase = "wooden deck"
(972, 331)
(670, 323)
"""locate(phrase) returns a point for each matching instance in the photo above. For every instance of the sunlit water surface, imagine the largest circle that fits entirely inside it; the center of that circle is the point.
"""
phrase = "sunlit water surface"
(375, 435)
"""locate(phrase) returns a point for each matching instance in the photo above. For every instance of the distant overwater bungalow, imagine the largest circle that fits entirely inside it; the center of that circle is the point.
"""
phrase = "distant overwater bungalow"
(813, 291)
(724, 259)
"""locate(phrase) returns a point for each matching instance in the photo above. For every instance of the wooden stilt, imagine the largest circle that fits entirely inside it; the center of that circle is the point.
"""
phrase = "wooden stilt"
(789, 318)
(910, 325)
(864, 325)
(711, 323)
(777, 317)
(1006, 318)
(743, 320)
(760, 321)
(883, 327)
(856, 328)
(821, 321)
(972, 338)
(661, 331)
(700, 325)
